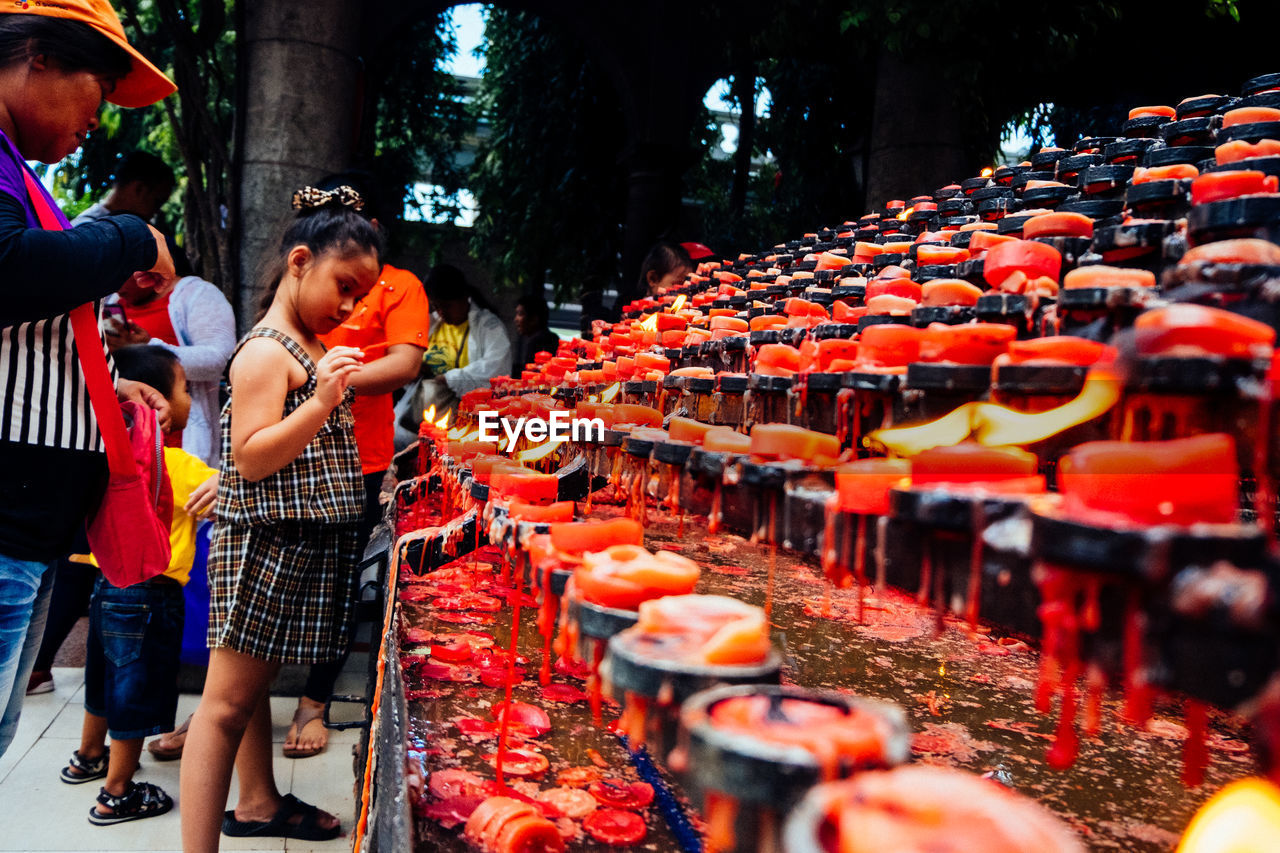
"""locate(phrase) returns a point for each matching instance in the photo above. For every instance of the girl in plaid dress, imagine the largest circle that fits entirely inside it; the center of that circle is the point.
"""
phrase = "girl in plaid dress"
(283, 554)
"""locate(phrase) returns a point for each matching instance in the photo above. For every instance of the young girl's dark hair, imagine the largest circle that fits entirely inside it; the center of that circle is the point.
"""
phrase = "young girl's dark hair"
(663, 258)
(76, 46)
(331, 225)
(148, 363)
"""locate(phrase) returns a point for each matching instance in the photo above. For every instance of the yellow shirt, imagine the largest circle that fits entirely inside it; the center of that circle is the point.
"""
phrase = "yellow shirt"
(186, 472)
(448, 346)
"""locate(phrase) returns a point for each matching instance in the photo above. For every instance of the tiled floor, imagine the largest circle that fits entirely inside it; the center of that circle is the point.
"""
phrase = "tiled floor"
(40, 812)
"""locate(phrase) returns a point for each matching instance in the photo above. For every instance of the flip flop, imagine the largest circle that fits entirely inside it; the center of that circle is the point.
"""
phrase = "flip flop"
(301, 717)
(280, 826)
(169, 753)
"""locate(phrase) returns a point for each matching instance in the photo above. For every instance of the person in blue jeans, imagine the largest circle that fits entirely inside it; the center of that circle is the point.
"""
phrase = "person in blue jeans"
(58, 63)
(135, 633)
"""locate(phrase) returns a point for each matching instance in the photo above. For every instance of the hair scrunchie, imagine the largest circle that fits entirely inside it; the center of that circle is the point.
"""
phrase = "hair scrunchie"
(310, 198)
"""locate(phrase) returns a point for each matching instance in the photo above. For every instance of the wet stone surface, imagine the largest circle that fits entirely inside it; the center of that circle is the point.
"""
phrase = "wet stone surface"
(969, 699)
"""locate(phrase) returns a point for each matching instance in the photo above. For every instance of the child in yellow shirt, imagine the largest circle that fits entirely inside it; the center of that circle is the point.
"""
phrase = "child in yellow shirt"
(135, 634)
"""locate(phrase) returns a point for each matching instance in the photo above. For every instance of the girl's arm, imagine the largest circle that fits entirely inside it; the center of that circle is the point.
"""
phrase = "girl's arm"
(262, 440)
(394, 370)
(47, 273)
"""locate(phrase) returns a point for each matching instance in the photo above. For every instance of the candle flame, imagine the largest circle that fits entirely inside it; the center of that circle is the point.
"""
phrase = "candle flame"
(679, 303)
(444, 422)
(542, 451)
(994, 425)
(609, 393)
(429, 413)
(1236, 818)
(904, 214)
(650, 323)
(986, 173)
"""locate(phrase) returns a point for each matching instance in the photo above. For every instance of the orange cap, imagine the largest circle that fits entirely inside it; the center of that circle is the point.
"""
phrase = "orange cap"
(144, 84)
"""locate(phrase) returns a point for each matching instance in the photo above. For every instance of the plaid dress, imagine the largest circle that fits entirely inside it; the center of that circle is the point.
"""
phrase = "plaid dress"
(283, 554)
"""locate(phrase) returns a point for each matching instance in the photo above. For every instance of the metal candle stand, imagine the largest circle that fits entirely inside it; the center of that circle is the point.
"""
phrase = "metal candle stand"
(635, 666)
(769, 778)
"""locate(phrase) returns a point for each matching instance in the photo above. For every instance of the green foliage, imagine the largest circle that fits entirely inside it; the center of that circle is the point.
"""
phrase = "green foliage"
(546, 178)
(420, 118)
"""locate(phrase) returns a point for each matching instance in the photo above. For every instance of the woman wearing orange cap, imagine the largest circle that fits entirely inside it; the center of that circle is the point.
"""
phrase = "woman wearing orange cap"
(58, 63)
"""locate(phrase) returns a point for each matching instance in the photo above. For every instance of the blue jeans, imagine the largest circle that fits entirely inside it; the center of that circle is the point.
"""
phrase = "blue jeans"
(131, 664)
(25, 587)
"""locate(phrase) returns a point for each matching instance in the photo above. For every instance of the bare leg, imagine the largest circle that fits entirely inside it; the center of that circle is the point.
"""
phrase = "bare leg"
(93, 736)
(259, 797)
(235, 688)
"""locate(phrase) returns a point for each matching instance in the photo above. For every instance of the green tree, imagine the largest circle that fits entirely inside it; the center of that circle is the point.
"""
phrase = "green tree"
(546, 179)
(195, 41)
(417, 119)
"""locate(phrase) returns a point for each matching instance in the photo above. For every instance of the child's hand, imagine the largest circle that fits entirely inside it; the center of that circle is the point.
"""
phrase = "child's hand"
(202, 498)
(333, 373)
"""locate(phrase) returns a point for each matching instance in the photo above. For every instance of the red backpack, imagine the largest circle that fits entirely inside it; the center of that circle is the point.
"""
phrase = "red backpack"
(129, 532)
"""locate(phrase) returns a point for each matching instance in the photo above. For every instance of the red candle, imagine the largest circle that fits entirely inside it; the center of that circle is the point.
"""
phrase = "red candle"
(624, 576)
(1028, 257)
(1100, 275)
(579, 537)
(972, 343)
(1189, 330)
(926, 255)
(863, 486)
(621, 414)
(711, 629)
(528, 485)
(832, 261)
(786, 441)
(521, 510)
(725, 440)
(1059, 349)
(972, 463)
(1058, 225)
(1216, 186)
(1184, 481)
(949, 291)
(901, 287)
(777, 360)
(687, 429)
(889, 346)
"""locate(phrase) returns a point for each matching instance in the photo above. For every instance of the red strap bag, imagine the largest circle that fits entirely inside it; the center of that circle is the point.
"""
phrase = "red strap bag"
(129, 533)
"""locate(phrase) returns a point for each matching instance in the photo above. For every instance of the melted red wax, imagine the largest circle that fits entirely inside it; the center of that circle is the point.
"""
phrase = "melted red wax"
(563, 693)
(593, 681)
(504, 727)
(458, 618)
(1195, 753)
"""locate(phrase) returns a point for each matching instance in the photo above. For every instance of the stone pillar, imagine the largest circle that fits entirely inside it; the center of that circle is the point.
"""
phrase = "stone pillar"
(303, 65)
(653, 208)
(917, 130)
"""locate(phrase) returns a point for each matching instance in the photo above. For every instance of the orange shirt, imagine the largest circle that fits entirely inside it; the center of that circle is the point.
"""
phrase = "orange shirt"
(394, 311)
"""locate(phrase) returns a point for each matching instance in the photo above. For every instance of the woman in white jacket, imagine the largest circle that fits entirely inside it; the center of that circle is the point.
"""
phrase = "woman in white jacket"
(467, 346)
(204, 328)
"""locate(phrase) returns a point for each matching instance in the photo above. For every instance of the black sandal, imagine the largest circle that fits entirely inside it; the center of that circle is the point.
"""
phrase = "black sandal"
(89, 768)
(140, 800)
(281, 826)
